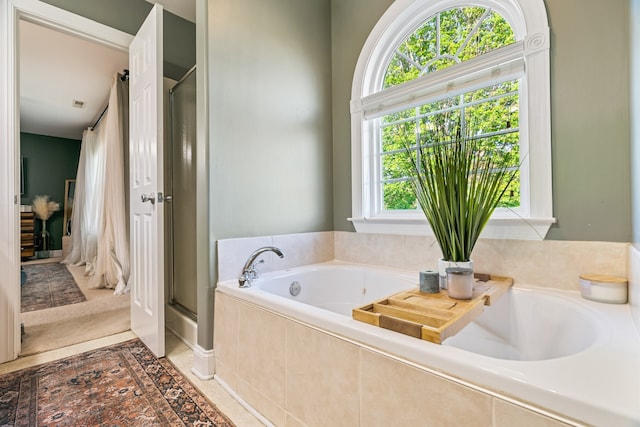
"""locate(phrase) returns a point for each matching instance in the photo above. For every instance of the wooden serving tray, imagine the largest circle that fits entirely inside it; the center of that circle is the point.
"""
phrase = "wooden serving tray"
(432, 317)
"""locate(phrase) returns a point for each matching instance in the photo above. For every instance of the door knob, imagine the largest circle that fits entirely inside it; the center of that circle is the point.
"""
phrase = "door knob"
(150, 198)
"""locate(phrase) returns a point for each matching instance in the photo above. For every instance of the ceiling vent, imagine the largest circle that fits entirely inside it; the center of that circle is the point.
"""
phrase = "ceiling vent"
(77, 104)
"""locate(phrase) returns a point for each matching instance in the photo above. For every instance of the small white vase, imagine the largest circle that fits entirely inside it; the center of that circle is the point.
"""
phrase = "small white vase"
(442, 269)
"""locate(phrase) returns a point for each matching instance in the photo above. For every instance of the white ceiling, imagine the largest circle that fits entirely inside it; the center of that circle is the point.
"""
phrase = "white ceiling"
(57, 68)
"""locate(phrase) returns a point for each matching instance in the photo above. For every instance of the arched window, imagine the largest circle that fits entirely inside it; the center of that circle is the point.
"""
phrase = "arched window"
(483, 66)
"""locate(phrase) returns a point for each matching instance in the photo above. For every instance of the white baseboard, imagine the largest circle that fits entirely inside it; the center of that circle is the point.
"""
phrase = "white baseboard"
(204, 363)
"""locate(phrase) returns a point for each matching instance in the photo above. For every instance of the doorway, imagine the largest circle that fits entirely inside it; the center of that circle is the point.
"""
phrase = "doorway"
(10, 15)
(68, 22)
(56, 69)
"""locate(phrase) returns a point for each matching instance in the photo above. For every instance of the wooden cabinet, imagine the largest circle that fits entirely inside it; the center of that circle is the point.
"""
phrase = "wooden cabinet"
(27, 230)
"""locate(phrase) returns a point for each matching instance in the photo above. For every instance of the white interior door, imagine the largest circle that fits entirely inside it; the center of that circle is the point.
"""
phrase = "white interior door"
(146, 186)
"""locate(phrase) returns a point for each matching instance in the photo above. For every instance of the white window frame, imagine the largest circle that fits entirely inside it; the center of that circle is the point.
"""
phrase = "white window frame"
(527, 59)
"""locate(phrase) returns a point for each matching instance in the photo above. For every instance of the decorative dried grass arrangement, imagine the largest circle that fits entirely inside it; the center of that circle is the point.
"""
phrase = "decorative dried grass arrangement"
(44, 208)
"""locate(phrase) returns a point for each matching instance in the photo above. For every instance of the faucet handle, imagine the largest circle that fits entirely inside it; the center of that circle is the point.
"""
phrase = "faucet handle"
(250, 269)
(254, 267)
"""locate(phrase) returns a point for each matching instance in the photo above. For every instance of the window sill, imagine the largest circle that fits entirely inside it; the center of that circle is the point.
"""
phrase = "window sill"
(497, 228)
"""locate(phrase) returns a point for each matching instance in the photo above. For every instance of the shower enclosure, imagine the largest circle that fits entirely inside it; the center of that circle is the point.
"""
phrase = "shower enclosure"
(182, 284)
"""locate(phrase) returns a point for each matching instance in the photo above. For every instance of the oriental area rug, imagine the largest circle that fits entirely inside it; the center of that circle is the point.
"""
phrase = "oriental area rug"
(49, 285)
(119, 385)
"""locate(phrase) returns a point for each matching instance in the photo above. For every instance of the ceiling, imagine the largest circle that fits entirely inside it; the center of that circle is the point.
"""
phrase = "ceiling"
(58, 69)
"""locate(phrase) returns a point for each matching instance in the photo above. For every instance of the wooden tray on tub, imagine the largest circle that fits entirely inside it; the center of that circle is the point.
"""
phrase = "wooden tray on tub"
(432, 317)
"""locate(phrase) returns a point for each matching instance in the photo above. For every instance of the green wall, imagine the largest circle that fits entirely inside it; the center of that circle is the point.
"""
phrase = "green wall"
(48, 162)
(590, 119)
(634, 55)
(351, 23)
(281, 74)
(270, 117)
(589, 111)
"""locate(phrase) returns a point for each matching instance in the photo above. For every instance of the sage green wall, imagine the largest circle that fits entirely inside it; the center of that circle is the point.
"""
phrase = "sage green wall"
(48, 162)
(272, 57)
(590, 119)
(590, 113)
(270, 117)
(634, 55)
(351, 23)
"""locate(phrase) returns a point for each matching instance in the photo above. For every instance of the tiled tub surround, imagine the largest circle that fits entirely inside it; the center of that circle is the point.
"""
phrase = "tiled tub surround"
(299, 249)
(296, 371)
(547, 263)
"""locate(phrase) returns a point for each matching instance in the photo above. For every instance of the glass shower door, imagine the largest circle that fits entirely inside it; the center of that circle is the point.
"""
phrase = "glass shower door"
(182, 287)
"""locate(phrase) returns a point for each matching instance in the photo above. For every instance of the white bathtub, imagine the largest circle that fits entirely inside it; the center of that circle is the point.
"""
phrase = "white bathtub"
(551, 348)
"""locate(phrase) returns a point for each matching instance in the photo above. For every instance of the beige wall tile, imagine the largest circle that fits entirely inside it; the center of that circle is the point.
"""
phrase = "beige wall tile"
(262, 403)
(261, 351)
(225, 339)
(226, 374)
(294, 422)
(385, 250)
(322, 378)
(548, 263)
(420, 253)
(299, 249)
(570, 259)
(233, 253)
(510, 415)
(395, 394)
(351, 247)
(388, 250)
(303, 249)
(526, 261)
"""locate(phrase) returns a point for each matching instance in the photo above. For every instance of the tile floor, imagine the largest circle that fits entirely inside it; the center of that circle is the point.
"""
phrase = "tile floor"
(177, 352)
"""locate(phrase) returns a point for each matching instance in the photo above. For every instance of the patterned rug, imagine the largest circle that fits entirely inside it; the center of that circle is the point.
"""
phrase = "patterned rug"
(120, 385)
(49, 285)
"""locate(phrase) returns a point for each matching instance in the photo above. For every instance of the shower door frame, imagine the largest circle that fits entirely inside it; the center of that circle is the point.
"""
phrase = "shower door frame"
(171, 217)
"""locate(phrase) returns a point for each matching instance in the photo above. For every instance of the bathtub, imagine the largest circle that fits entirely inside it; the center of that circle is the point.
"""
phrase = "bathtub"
(548, 348)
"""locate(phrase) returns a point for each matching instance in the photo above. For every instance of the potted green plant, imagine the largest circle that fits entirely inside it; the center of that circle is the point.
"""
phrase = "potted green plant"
(459, 177)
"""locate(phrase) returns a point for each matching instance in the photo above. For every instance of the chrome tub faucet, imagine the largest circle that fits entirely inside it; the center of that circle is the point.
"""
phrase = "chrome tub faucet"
(249, 271)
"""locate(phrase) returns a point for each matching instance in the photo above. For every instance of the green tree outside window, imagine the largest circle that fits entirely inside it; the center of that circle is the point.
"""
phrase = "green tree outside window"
(491, 113)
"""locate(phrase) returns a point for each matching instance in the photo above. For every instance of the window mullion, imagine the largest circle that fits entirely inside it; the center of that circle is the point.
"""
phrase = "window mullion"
(438, 45)
(473, 31)
(410, 61)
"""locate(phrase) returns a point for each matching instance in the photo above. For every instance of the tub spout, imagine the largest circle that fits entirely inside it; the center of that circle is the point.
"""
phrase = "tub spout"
(249, 271)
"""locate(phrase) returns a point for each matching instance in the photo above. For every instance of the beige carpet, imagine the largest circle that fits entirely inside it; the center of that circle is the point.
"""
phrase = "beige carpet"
(103, 314)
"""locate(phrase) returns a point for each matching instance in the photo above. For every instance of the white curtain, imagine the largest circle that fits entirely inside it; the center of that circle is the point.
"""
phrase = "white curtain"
(99, 234)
